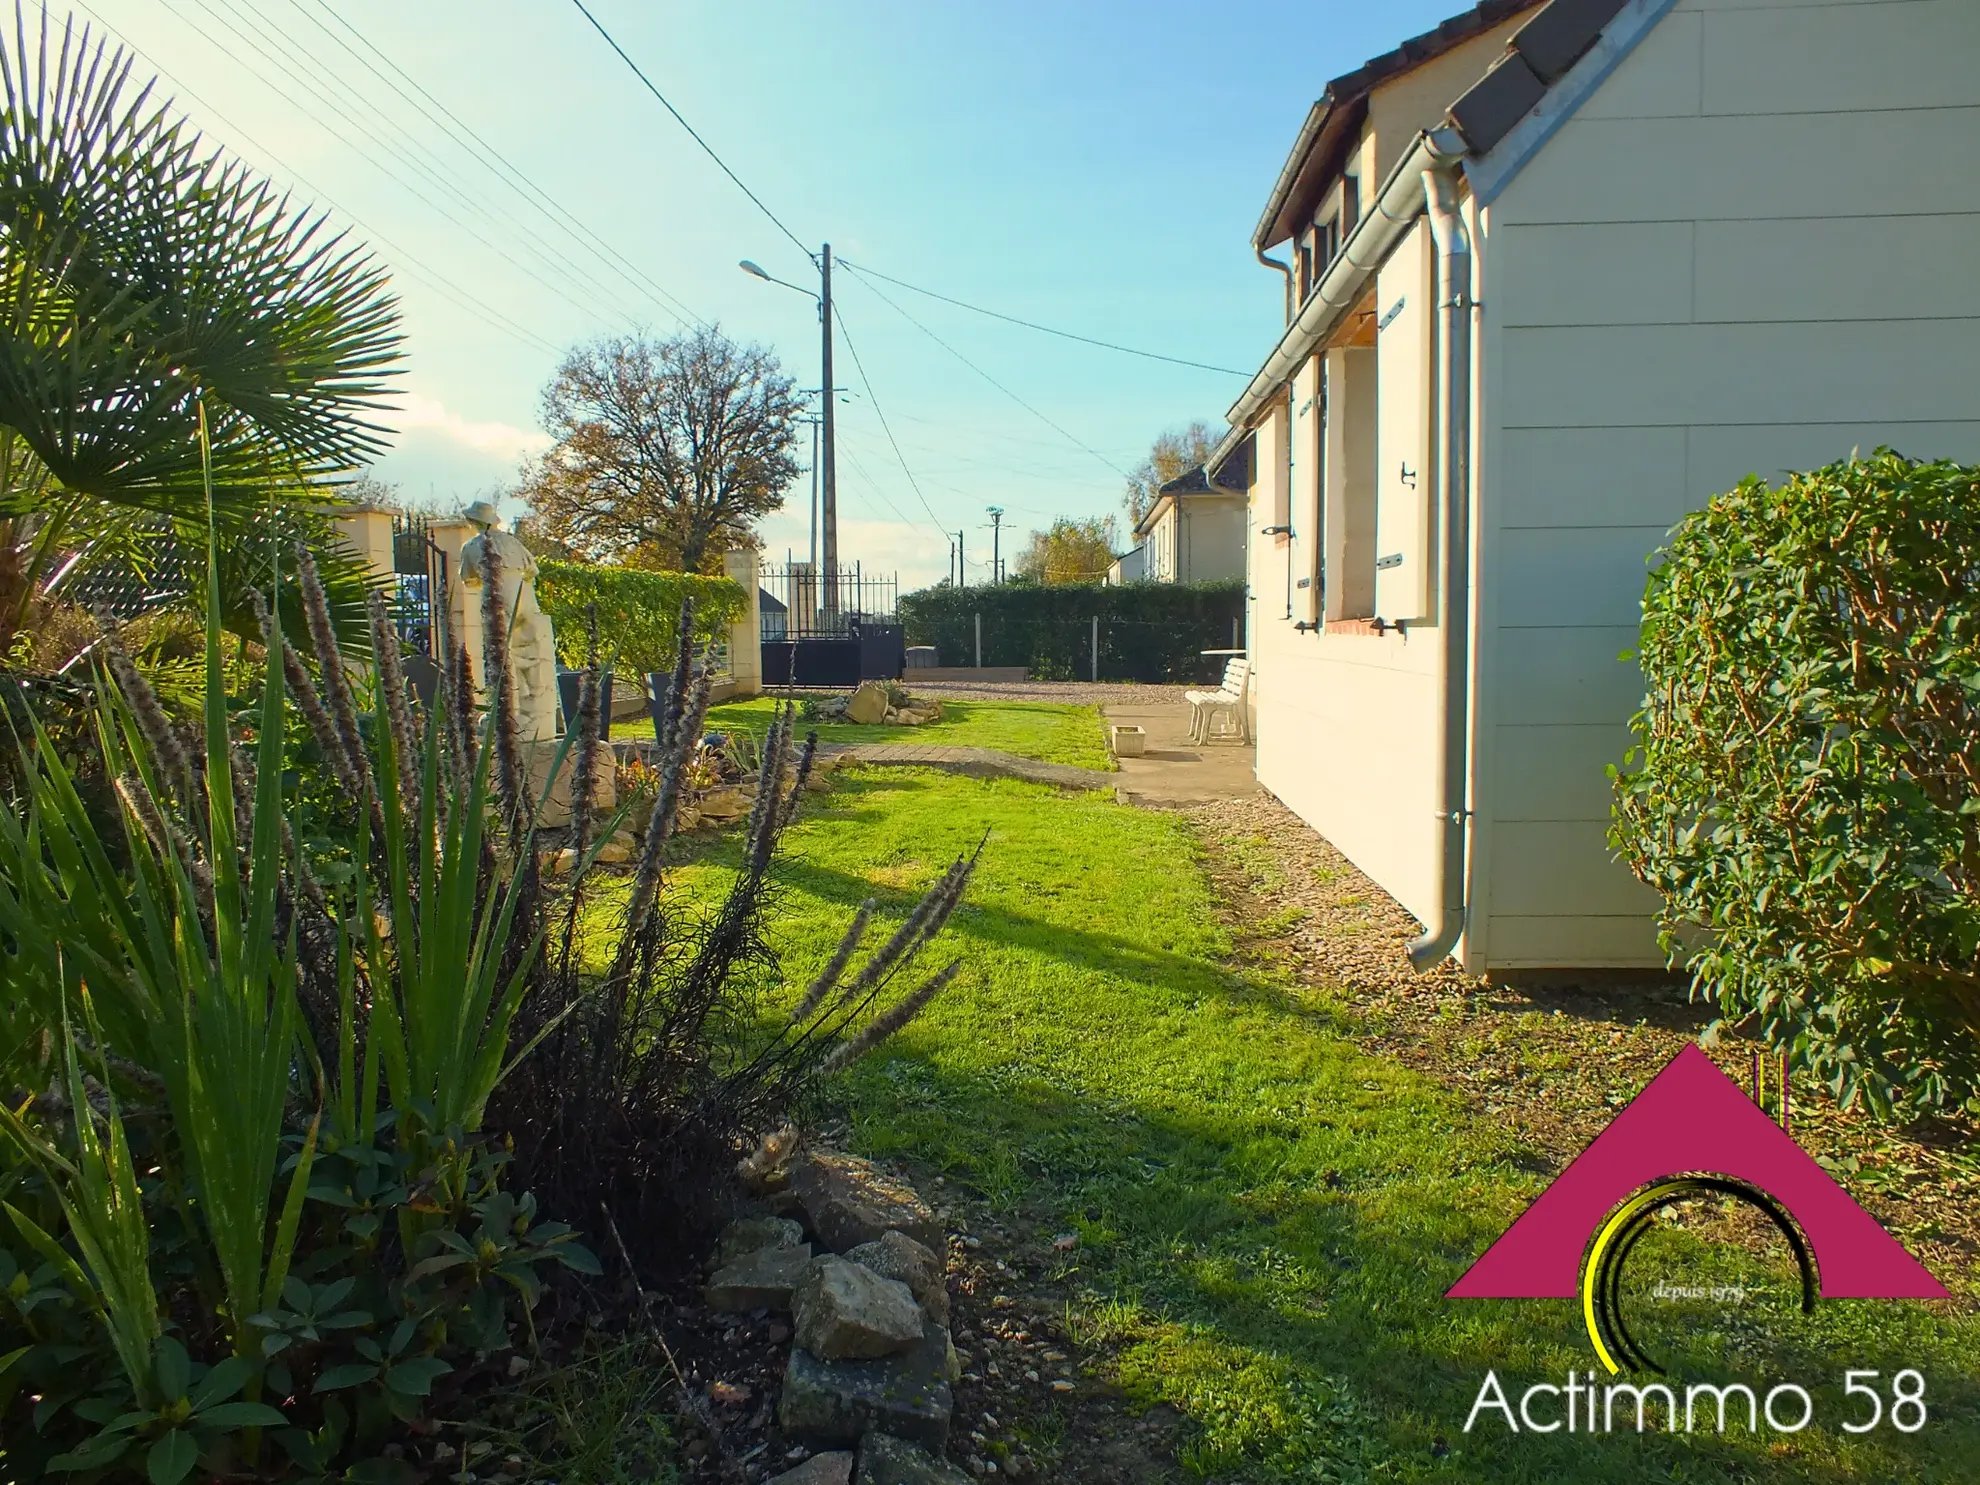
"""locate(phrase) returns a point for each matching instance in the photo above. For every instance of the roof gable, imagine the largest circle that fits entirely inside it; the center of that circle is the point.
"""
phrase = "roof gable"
(1342, 104)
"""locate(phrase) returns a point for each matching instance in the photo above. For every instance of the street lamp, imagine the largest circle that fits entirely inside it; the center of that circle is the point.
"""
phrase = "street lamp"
(830, 500)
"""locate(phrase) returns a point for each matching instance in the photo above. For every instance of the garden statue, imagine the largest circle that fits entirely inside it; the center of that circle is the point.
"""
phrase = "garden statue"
(532, 646)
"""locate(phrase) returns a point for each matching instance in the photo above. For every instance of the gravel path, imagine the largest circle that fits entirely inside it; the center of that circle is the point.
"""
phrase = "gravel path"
(1066, 693)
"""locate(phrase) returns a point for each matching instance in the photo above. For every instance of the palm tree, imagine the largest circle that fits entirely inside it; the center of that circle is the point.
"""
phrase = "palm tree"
(141, 273)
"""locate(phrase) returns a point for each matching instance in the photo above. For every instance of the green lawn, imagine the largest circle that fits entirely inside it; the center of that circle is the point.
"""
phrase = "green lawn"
(1268, 1214)
(1031, 729)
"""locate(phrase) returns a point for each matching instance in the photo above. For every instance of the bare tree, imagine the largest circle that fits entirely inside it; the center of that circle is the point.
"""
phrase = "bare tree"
(1175, 453)
(666, 451)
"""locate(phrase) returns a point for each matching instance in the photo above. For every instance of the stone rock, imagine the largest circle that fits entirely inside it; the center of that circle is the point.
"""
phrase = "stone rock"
(556, 863)
(886, 1460)
(909, 718)
(686, 818)
(868, 704)
(723, 804)
(895, 1255)
(820, 1469)
(763, 1280)
(614, 852)
(750, 1234)
(846, 1312)
(893, 717)
(836, 1402)
(846, 1202)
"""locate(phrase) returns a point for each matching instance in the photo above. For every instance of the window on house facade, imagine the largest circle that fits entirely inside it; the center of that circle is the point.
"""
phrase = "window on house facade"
(1350, 213)
(1349, 498)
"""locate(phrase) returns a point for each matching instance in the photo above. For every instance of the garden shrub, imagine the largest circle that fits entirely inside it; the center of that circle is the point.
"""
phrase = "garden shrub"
(638, 611)
(400, 1015)
(1805, 789)
(1150, 632)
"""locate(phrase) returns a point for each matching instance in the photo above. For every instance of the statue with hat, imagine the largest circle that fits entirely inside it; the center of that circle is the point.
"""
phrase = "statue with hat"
(532, 645)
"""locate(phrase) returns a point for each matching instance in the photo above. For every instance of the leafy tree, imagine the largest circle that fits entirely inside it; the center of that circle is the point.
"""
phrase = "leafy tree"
(145, 274)
(1071, 552)
(1806, 791)
(1174, 453)
(666, 451)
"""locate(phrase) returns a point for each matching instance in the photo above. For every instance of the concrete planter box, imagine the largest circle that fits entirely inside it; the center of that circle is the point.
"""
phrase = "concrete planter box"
(1128, 742)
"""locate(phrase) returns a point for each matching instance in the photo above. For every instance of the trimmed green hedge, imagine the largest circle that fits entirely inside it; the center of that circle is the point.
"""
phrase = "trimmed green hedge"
(1150, 632)
(638, 611)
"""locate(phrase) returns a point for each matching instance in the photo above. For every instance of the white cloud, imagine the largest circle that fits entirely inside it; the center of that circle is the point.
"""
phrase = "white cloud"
(503, 440)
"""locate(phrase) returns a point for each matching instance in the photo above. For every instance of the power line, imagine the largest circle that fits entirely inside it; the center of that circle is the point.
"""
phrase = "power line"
(706, 147)
(498, 163)
(407, 262)
(1105, 345)
(1066, 433)
(881, 413)
(873, 486)
(601, 307)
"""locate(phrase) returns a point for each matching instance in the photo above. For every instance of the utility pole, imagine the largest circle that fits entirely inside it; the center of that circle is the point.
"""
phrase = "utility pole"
(962, 562)
(996, 533)
(831, 491)
(814, 496)
(828, 457)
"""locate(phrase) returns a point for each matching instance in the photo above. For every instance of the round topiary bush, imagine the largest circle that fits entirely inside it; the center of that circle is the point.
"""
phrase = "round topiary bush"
(1805, 789)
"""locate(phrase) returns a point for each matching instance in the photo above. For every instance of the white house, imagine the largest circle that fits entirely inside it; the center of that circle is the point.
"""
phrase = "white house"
(1130, 567)
(1557, 274)
(1195, 531)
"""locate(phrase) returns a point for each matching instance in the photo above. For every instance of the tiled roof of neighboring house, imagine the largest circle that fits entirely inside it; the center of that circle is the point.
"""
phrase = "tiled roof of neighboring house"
(1343, 104)
(770, 603)
(1233, 478)
(1233, 470)
(1190, 482)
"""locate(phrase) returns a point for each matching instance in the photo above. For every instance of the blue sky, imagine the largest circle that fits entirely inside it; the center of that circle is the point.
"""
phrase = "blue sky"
(1096, 167)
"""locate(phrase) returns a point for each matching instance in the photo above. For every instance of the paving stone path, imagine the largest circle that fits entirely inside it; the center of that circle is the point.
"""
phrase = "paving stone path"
(982, 763)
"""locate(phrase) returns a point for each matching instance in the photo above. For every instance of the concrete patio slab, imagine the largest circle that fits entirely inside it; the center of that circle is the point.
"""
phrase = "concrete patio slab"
(1172, 770)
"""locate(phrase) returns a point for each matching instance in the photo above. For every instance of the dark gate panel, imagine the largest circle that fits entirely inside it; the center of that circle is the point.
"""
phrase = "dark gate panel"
(882, 651)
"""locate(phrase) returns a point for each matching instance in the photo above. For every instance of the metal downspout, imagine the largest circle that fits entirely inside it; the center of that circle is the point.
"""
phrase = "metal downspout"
(1447, 228)
(1284, 268)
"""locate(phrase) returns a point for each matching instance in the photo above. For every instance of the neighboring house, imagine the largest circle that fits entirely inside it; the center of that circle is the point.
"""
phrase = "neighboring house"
(1195, 530)
(1559, 273)
(1129, 567)
(775, 616)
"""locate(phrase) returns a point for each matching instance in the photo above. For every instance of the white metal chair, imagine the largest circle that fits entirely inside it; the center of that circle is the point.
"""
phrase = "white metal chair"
(1228, 704)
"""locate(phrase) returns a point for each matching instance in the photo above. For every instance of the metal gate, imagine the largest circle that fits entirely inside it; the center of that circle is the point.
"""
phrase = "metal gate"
(829, 634)
(419, 611)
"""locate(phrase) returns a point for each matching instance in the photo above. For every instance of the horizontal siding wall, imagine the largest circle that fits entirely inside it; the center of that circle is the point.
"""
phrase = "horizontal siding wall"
(1751, 251)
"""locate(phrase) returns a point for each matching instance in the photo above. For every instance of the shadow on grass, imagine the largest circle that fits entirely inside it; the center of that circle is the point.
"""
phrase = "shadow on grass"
(1269, 1215)
(1205, 1239)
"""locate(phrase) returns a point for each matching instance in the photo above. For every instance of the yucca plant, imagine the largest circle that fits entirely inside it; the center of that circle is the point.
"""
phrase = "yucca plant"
(253, 1010)
(655, 1073)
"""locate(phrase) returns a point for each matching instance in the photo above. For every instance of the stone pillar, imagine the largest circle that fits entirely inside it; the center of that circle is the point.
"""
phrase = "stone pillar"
(746, 633)
(367, 531)
(463, 611)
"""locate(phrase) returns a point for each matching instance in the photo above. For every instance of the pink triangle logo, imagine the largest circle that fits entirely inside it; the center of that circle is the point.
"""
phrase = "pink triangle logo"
(1692, 1118)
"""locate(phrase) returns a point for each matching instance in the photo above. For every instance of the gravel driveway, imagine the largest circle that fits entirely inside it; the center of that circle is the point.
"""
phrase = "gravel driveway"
(1066, 693)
